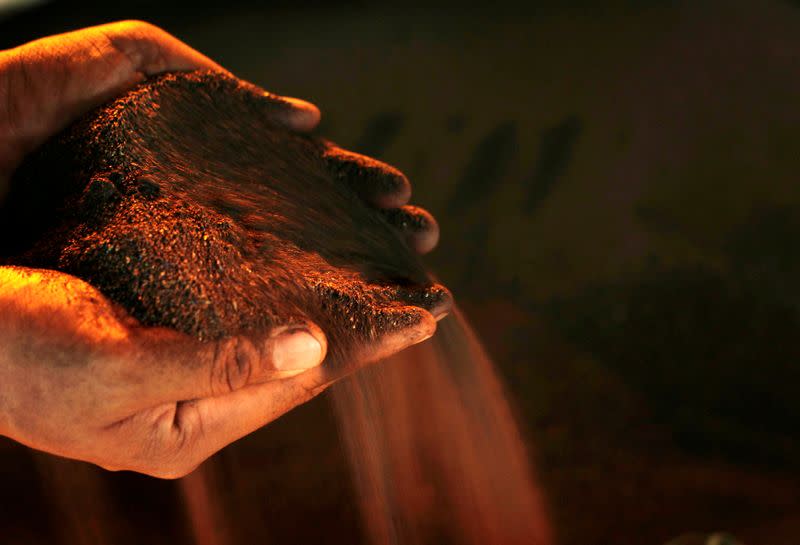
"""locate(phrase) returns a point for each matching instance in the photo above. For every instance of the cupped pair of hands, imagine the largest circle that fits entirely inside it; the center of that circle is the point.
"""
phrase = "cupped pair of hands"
(79, 377)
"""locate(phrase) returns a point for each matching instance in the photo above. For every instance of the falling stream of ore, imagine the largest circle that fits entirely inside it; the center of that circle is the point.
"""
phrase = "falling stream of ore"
(434, 450)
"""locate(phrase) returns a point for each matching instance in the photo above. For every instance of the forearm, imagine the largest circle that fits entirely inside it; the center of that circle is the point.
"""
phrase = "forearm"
(47, 83)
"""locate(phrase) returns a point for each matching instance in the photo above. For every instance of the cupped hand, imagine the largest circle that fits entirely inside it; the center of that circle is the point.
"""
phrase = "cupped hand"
(48, 83)
(78, 376)
(81, 379)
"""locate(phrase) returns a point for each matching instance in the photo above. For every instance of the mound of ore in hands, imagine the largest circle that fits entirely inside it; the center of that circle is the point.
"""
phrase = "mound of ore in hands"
(186, 204)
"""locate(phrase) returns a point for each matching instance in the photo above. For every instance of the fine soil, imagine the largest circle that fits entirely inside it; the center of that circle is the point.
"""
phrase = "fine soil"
(187, 204)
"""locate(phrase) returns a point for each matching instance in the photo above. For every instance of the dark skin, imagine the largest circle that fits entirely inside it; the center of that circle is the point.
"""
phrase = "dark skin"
(79, 377)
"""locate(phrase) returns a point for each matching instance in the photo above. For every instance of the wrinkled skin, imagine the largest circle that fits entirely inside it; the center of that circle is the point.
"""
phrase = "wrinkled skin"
(79, 376)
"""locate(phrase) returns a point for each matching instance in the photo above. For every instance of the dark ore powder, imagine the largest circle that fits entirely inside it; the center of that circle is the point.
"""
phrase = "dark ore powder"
(184, 202)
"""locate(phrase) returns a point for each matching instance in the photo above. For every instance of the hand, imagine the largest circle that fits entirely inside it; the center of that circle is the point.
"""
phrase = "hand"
(48, 83)
(82, 380)
(78, 376)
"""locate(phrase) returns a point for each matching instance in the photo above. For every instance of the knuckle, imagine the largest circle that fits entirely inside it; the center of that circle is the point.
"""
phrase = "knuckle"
(173, 456)
(166, 442)
(140, 42)
(233, 364)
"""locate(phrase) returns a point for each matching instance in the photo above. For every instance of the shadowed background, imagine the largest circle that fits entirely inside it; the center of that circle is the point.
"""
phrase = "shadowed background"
(617, 188)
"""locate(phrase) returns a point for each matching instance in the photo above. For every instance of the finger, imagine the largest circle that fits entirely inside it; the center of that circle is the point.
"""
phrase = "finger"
(208, 425)
(377, 183)
(298, 114)
(436, 299)
(152, 50)
(49, 82)
(292, 113)
(417, 225)
(177, 367)
(148, 49)
(398, 328)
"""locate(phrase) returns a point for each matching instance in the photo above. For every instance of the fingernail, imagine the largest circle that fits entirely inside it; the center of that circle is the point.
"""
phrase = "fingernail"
(296, 350)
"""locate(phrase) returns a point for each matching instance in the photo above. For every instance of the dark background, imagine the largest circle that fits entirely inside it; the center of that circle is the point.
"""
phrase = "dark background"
(617, 184)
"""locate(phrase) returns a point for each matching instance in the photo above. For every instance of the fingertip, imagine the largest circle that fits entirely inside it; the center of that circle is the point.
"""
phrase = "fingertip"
(441, 302)
(395, 192)
(379, 184)
(303, 116)
(423, 234)
(419, 228)
(426, 241)
(425, 329)
(420, 326)
(436, 299)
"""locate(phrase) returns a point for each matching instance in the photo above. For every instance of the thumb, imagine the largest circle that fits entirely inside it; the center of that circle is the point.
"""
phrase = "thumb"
(207, 425)
(179, 367)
